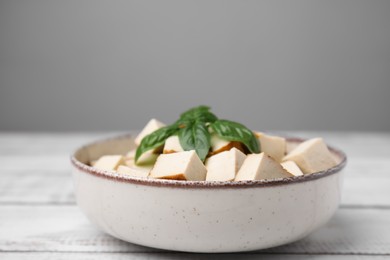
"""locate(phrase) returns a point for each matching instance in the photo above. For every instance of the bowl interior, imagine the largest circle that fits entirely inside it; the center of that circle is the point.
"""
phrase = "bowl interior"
(122, 144)
(111, 146)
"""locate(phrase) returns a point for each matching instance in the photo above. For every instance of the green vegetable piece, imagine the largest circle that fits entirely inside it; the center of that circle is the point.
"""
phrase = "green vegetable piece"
(155, 139)
(195, 137)
(191, 112)
(200, 113)
(233, 131)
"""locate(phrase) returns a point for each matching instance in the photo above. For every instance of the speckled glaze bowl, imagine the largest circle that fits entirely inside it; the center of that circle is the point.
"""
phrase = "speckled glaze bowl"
(197, 216)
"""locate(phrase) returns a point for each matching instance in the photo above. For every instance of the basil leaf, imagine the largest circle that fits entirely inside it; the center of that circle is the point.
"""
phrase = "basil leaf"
(195, 137)
(189, 113)
(200, 113)
(155, 139)
(207, 117)
(233, 131)
(182, 123)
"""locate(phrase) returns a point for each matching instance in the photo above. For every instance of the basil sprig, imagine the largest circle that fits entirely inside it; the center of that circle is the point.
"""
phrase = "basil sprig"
(192, 129)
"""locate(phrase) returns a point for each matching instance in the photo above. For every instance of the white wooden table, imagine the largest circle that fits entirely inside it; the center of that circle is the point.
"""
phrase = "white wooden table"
(39, 218)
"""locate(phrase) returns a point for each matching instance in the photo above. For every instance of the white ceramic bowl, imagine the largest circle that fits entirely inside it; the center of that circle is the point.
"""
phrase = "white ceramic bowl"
(197, 216)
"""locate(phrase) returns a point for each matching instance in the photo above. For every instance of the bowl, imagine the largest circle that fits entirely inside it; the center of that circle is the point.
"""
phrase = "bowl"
(199, 216)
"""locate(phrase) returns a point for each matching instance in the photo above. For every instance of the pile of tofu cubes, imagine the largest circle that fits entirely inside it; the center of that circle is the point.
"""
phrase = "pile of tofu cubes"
(226, 161)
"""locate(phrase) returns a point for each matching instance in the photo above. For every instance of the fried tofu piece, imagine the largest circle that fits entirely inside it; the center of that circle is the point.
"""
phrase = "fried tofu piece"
(292, 168)
(172, 145)
(225, 165)
(134, 171)
(274, 146)
(109, 162)
(261, 167)
(312, 156)
(179, 166)
(149, 128)
(219, 145)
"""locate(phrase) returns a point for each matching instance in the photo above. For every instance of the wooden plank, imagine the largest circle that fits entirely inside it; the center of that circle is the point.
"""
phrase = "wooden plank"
(355, 144)
(180, 256)
(366, 181)
(357, 231)
(46, 143)
(49, 152)
(36, 187)
(25, 163)
(55, 229)
(26, 178)
(64, 229)
(52, 151)
(28, 169)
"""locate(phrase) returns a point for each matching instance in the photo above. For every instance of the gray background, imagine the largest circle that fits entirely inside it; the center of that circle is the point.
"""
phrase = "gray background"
(272, 65)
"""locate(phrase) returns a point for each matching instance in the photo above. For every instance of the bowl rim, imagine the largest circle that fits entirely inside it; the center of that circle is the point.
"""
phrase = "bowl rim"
(114, 176)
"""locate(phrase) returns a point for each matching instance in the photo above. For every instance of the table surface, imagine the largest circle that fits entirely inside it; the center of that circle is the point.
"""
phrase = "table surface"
(40, 220)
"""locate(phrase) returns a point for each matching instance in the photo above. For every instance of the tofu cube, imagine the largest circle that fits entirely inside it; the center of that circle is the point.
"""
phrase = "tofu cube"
(179, 166)
(172, 145)
(261, 167)
(131, 154)
(292, 168)
(93, 162)
(220, 145)
(150, 127)
(109, 162)
(311, 156)
(143, 167)
(225, 165)
(134, 171)
(274, 146)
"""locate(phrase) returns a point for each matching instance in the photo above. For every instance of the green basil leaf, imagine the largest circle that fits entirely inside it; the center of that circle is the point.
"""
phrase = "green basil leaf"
(195, 137)
(189, 113)
(207, 117)
(182, 123)
(233, 131)
(155, 139)
(200, 113)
